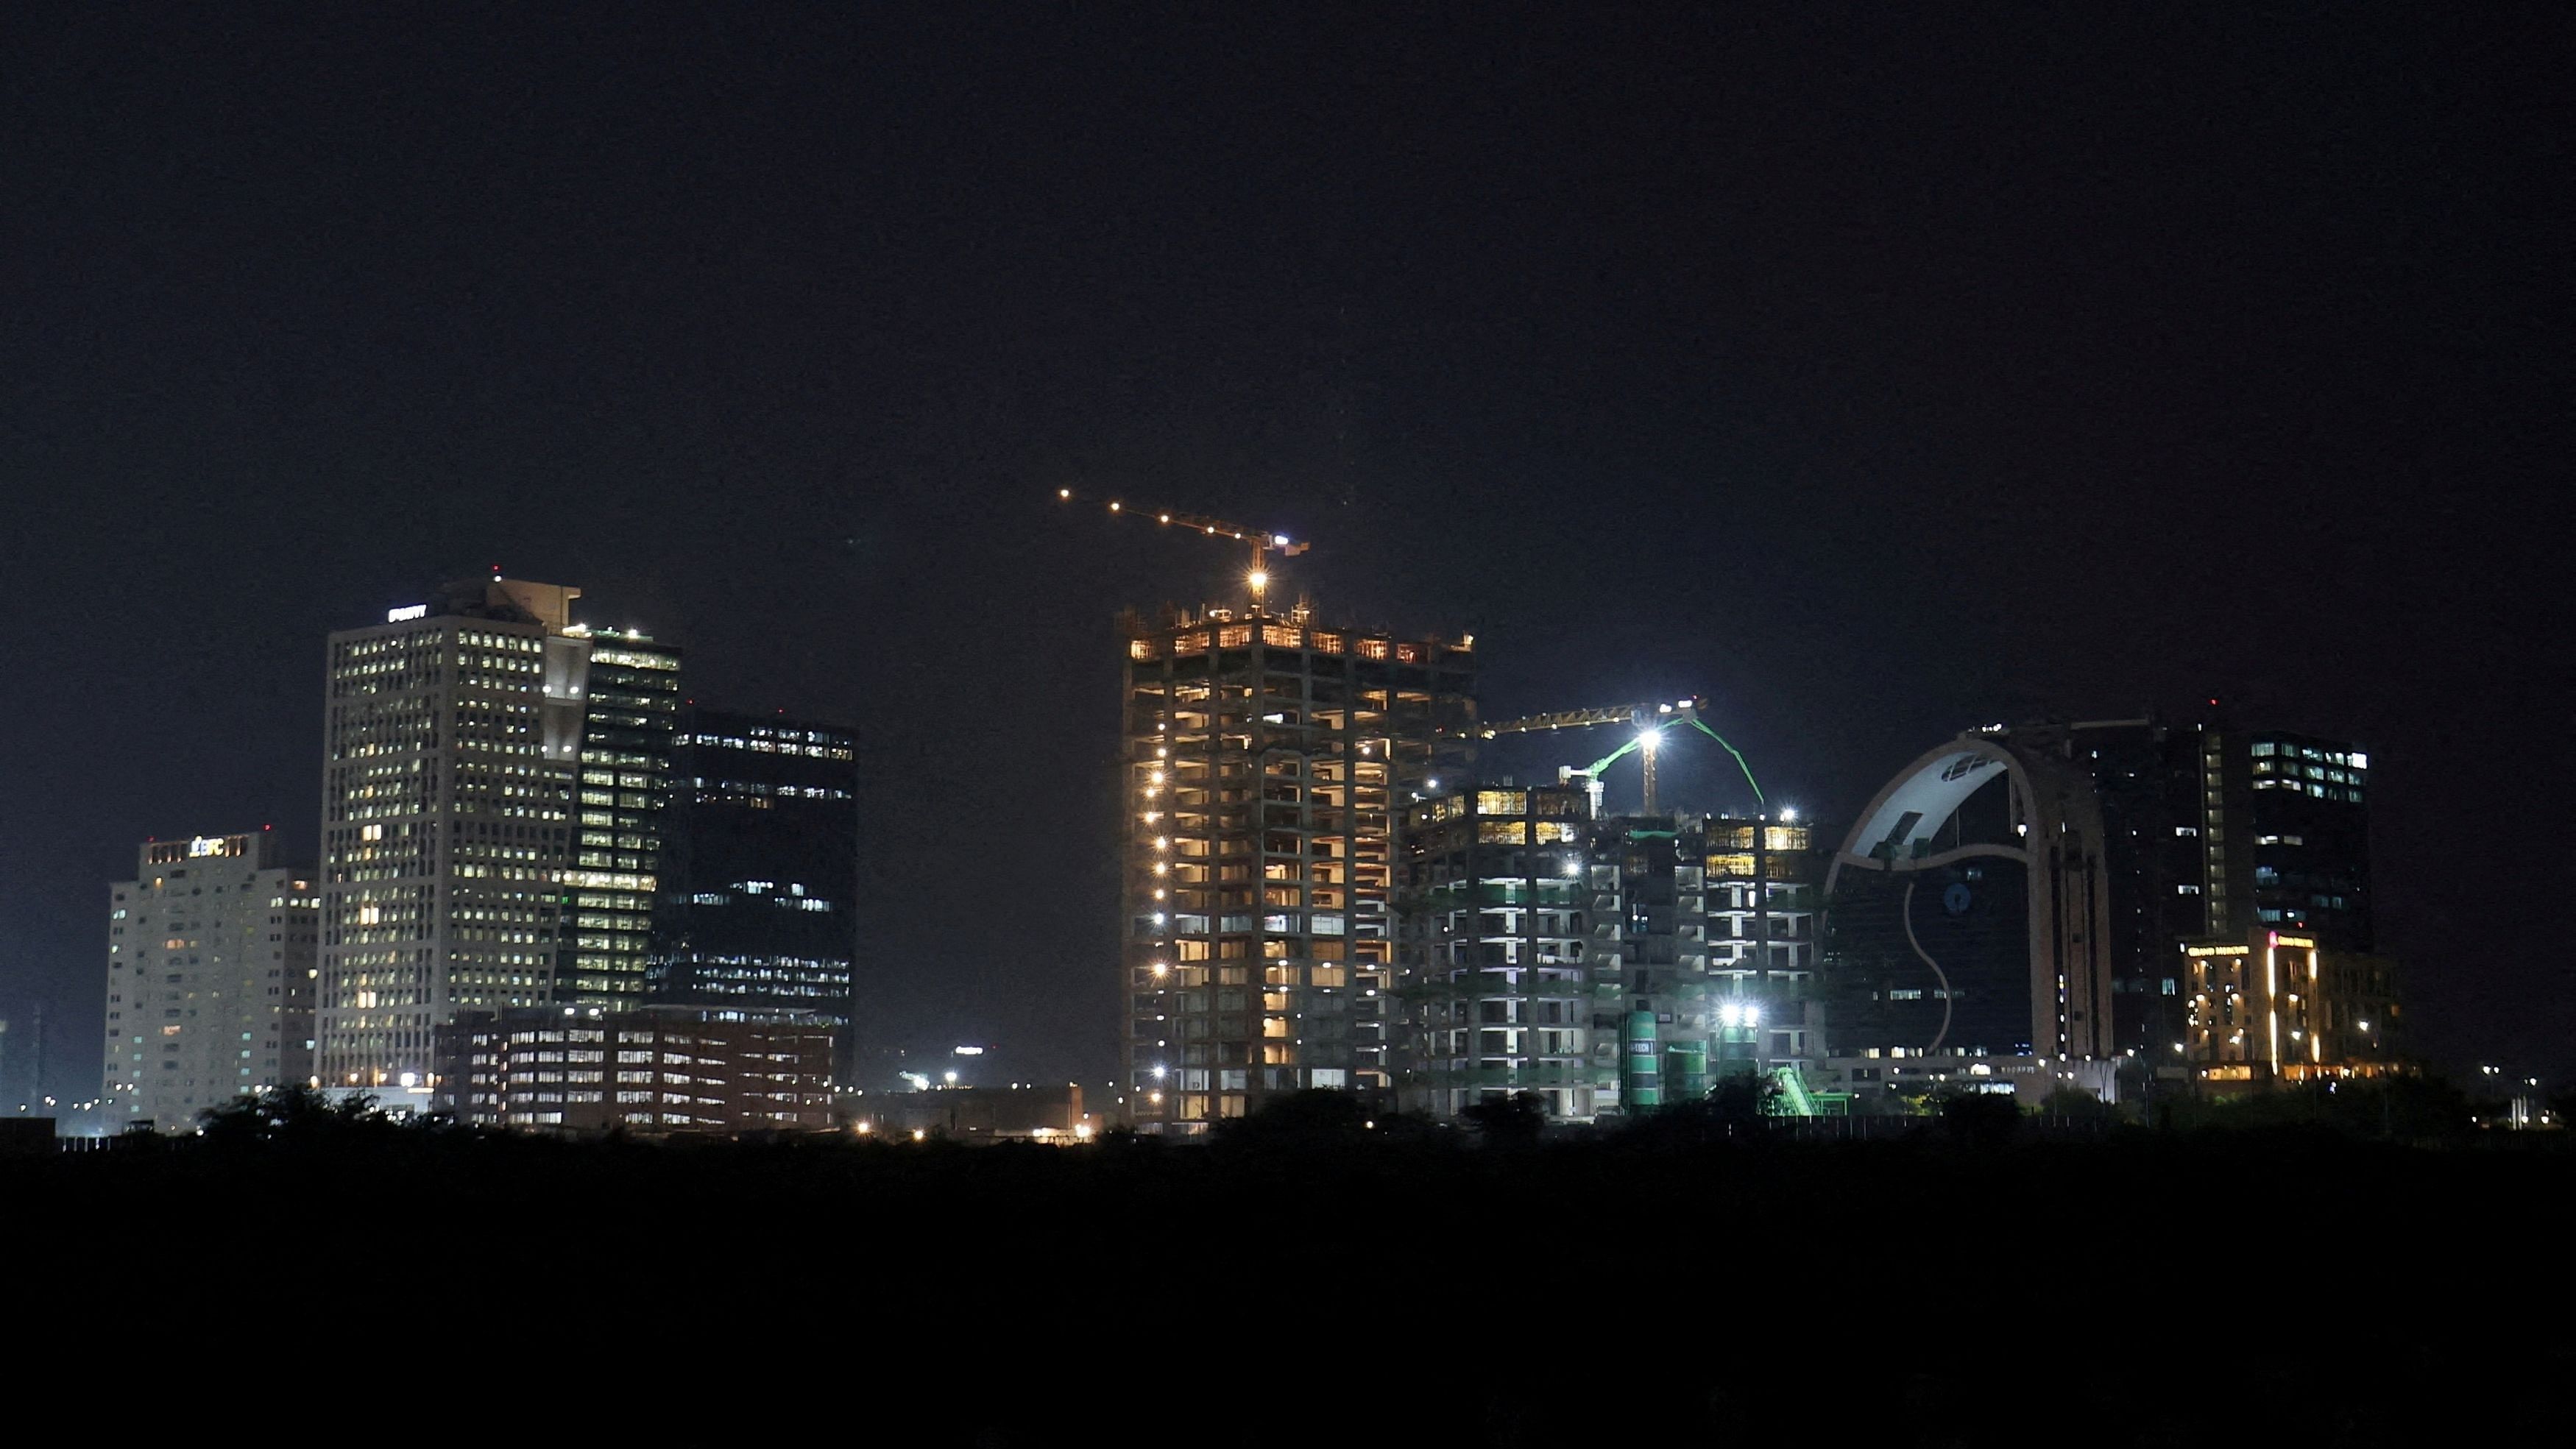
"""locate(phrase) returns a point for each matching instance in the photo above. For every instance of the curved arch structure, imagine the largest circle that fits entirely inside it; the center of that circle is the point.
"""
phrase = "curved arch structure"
(2055, 822)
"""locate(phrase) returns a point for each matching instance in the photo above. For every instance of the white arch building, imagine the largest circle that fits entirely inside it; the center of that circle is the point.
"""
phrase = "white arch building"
(2054, 818)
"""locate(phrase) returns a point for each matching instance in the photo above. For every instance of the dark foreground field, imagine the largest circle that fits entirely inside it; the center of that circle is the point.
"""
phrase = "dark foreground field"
(2247, 1287)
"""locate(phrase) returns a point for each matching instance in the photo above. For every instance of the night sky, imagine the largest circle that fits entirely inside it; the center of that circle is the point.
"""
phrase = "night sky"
(1876, 375)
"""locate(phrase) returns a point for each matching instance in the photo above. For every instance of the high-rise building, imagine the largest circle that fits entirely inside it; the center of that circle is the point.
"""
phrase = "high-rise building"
(2210, 833)
(2280, 979)
(2148, 777)
(623, 811)
(1619, 963)
(489, 839)
(758, 898)
(2308, 812)
(1761, 889)
(1969, 909)
(1268, 762)
(2100, 882)
(209, 979)
(1497, 953)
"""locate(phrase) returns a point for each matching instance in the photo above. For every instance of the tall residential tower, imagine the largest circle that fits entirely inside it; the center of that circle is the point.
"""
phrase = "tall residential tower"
(1268, 763)
(1606, 963)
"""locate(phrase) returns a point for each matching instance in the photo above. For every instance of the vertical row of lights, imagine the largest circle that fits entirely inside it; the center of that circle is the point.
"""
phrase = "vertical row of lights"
(1152, 814)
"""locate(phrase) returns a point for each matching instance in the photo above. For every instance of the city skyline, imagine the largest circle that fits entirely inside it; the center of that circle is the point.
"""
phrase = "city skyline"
(1288, 787)
(1489, 691)
(1866, 428)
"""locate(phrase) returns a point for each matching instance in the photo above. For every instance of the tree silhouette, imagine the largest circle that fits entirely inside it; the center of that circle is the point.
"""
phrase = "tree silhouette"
(1981, 1119)
(1743, 1097)
(292, 1114)
(1315, 1114)
(1513, 1121)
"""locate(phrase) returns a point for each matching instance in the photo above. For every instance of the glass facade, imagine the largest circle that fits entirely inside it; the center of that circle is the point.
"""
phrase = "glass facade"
(758, 908)
(623, 807)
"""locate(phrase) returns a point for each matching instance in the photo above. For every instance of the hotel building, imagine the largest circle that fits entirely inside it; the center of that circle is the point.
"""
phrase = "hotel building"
(209, 979)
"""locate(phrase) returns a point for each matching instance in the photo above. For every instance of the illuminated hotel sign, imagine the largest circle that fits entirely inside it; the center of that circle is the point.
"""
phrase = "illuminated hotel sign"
(2299, 942)
(200, 847)
(2218, 950)
(407, 611)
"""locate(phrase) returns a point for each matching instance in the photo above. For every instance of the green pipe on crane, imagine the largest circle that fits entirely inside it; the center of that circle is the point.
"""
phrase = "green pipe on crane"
(1739, 760)
(1656, 731)
(1621, 753)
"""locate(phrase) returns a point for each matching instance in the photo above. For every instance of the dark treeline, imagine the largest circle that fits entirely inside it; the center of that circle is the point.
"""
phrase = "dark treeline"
(1325, 1279)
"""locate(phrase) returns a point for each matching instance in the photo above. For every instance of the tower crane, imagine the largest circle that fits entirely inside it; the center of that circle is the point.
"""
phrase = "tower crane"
(1262, 541)
(1651, 720)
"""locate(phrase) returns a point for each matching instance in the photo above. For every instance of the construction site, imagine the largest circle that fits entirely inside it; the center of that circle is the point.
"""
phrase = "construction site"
(1322, 891)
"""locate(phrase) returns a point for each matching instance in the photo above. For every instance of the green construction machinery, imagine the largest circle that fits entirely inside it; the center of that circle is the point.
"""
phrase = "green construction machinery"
(1650, 720)
(1796, 1100)
(1641, 1080)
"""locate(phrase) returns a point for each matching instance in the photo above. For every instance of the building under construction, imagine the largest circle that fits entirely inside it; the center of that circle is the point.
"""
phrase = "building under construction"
(1609, 964)
(1319, 893)
(1268, 759)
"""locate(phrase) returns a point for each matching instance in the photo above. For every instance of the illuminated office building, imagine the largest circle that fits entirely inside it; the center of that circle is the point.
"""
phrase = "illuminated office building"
(489, 839)
(2308, 812)
(623, 808)
(209, 979)
(1268, 762)
(2213, 833)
